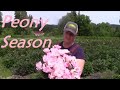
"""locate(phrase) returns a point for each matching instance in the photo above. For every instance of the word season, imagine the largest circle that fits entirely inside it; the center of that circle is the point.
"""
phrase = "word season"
(14, 22)
(22, 43)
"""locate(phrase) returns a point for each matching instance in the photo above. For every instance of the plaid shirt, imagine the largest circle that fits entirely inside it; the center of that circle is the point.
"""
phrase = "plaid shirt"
(75, 50)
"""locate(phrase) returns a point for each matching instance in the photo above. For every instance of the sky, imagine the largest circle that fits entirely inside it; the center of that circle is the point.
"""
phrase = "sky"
(111, 17)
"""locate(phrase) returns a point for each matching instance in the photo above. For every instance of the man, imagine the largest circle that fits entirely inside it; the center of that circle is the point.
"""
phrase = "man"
(70, 32)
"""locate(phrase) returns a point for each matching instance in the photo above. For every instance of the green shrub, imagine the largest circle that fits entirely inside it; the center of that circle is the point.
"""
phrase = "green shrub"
(23, 68)
(88, 69)
(22, 61)
(116, 76)
(100, 65)
(8, 31)
(101, 54)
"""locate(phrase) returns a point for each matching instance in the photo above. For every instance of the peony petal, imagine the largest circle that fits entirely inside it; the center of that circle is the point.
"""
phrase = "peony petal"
(57, 46)
(46, 50)
(39, 65)
(51, 76)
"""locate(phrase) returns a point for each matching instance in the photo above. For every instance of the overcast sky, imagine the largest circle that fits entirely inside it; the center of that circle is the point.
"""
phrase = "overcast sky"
(111, 17)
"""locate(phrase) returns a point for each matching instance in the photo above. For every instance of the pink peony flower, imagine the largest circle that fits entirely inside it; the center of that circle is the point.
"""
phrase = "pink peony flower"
(57, 46)
(58, 64)
(63, 51)
(59, 78)
(51, 76)
(45, 58)
(46, 50)
(39, 65)
(66, 64)
(54, 52)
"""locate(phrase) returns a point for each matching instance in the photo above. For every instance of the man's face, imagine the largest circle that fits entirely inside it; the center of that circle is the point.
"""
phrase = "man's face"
(69, 37)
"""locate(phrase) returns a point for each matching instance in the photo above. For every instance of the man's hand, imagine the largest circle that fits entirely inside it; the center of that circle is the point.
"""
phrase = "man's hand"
(81, 63)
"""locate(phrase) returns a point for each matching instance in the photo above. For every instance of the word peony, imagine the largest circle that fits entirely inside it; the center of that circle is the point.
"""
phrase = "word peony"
(16, 22)
(58, 64)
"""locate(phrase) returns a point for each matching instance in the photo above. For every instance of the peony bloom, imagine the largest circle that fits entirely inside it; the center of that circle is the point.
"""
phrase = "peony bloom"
(46, 69)
(63, 51)
(51, 76)
(58, 65)
(39, 65)
(46, 50)
(57, 46)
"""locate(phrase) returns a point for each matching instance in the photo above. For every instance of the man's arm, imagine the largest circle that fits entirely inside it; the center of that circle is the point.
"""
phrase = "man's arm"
(80, 58)
(81, 63)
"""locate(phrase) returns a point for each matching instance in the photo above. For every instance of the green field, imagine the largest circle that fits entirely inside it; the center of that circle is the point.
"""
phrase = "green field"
(102, 56)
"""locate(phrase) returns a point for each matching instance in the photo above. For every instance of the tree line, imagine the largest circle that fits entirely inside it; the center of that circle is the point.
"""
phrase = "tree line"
(86, 27)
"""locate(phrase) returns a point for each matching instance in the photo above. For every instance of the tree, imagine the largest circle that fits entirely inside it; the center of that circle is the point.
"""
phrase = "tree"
(117, 32)
(84, 25)
(0, 22)
(103, 29)
(62, 22)
(73, 16)
(21, 15)
(31, 17)
(0, 16)
(93, 29)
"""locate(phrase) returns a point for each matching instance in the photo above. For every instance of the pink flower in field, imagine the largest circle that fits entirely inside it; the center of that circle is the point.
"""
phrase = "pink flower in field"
(73, 58)
(46, 69)
(58, 73)
(54, 52)
(77, 76)
(46, 50)
(63, 51)
(51, 62)
(59, 78)
(65, 55)
(66, 64)
(67, 71)
(74, 63)
(58, 64)
(67, 58)
(39, 65)
(76, 73)
(68, 77)
(45, 58)
(51, 76)
(57, 46)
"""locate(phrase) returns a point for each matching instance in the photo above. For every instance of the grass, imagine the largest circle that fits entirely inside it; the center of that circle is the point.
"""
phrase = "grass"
(4, 72)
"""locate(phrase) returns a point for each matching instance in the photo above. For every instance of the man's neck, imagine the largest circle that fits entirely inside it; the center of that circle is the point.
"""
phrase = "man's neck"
(67, 45)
